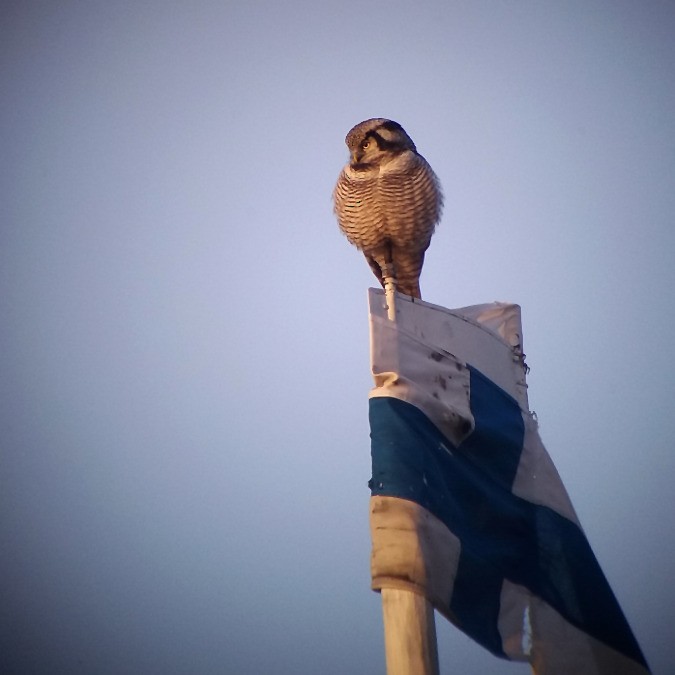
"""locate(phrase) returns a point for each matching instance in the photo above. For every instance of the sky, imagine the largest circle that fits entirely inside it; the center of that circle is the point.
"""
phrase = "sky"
(184, 369)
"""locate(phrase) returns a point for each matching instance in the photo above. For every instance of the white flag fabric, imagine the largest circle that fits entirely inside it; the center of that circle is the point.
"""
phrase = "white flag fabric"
(467, 507)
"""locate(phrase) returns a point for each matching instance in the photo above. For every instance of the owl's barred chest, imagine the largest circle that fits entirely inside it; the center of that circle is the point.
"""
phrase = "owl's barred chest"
(376, 207)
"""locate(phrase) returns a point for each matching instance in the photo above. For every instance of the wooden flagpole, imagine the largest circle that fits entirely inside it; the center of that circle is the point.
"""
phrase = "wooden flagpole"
(409, 633)
(409, 628)
(390, 295)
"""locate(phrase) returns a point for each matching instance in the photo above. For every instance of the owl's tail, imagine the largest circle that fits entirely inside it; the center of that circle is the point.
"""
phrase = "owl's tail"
(411, 288)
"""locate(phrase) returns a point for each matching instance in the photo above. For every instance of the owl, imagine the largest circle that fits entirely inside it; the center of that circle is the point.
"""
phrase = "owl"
(388, 201)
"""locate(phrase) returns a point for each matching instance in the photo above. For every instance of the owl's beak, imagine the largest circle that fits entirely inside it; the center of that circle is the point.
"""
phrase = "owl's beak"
(356, 157)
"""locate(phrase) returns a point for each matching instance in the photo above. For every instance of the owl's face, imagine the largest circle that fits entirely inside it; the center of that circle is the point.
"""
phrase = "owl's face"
(377, 141)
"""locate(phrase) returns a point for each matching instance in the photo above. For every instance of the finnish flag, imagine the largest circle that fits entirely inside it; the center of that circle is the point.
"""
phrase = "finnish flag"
(467, 507)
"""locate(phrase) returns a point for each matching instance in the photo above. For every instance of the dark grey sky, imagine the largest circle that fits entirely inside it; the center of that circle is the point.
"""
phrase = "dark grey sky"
(184, 343)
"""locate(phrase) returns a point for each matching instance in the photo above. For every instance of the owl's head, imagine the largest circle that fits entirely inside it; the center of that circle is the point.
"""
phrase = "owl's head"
(376, 141)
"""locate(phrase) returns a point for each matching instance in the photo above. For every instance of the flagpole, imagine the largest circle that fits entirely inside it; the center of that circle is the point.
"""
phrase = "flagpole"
(390, 293)
(409, 633)
(409, 627)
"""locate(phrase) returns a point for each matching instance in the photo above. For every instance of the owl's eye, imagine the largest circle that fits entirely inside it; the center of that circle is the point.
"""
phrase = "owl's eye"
(365, 145)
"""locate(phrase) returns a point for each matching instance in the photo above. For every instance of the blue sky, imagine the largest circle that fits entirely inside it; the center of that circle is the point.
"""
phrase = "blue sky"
(184, 351)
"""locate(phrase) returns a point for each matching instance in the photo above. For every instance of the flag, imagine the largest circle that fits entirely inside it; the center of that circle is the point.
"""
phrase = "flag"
(467, 507)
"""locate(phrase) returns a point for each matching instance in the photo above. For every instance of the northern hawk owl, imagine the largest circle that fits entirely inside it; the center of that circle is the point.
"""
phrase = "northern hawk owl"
(388, 201)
